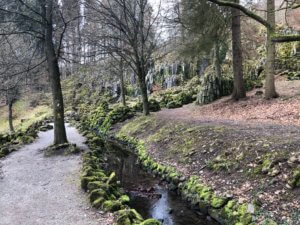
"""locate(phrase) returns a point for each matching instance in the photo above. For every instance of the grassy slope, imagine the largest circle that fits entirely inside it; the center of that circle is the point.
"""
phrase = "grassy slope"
(233, 160)
(22, 110)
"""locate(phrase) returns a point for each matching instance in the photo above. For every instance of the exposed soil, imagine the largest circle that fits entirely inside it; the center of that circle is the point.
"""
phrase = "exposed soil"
(38, 190)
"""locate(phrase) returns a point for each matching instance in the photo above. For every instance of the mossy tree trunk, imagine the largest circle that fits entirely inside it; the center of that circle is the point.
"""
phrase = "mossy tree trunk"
(239, 91)
(10, 117)
(60, 136)
(270, 91)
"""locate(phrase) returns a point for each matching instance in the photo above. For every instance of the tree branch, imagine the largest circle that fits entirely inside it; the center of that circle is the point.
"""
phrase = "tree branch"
(243, 9)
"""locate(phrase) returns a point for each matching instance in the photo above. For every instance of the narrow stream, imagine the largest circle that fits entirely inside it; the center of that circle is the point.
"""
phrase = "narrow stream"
(149, 195)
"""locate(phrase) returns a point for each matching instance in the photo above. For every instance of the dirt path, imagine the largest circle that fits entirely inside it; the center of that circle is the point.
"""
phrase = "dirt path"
(189, 114)
(35, 190)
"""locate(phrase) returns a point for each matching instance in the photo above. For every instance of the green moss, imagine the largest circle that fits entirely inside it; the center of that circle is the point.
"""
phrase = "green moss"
(85, 181)
(128, 216)
(206, 194)
(154, 105)
(294, 181)
(151, 222)
(135, 126)
(124, 199)
(97, 193)
(98, 202)
(218, 202)
(173, 104)
(97, 185)
(244, 216)
(112, 205)
(117, 114)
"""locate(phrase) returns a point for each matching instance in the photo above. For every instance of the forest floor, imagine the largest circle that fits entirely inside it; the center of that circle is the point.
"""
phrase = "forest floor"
(246, 149)
(35, 189)
(255, 109)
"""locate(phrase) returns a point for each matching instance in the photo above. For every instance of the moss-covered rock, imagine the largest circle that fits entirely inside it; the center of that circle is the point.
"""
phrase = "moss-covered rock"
(124, 199)
(98, 202)
(112, 205)
(294, 180)
(128, 216)
(97, 185)
(97, 193)
(218, 202)
(117, 114)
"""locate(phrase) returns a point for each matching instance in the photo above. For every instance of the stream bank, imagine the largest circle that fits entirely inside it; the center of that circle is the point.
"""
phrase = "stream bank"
(117, 183)
(150, 195)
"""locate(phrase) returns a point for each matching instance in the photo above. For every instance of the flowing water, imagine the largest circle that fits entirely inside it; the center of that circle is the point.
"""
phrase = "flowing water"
(149, 195)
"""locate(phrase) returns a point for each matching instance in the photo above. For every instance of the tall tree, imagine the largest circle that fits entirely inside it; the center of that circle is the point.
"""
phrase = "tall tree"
(237, 56)
(60, 136)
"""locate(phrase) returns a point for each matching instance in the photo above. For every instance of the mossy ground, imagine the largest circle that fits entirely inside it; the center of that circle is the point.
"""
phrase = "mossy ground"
(23, 111)
(250, 164)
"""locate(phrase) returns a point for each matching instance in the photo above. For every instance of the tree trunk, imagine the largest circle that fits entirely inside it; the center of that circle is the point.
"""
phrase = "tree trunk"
(123, 96)
(143, 88)
(239, 91)
(270, 91)
(217, 64)
(10, 117)
(54, 75)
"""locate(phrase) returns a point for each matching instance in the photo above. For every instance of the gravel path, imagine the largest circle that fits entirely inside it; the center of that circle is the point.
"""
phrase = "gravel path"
(38, 190)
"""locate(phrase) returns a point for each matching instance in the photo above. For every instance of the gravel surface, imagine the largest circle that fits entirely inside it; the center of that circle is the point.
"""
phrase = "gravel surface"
(38, 190)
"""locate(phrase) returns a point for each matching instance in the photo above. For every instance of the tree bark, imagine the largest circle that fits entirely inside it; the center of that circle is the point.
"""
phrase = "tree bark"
(217, 63)
(123, 96)
(239, 91)
(60, 136)
(10, 117)
(143, 88)
(270, 91)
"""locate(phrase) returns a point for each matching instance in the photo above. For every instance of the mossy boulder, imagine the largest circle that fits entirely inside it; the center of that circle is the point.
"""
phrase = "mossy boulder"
(97, 193)
(112, 205)
(218, 202)
(235, 213)
(97, 185)
(98, 202)
(128, 217)
(86, 180)
(124, 199)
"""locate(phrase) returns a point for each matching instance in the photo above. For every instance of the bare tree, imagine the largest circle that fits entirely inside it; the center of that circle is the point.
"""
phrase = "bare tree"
(15, 59)
(125, 29)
